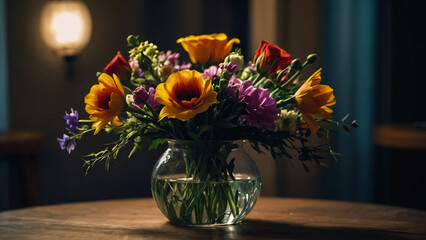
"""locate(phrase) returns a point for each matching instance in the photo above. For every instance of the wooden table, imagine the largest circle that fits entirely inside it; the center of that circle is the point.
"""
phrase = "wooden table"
(271, 218)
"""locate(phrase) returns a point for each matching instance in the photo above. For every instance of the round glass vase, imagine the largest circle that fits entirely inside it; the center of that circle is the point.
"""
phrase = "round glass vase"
(204, 183)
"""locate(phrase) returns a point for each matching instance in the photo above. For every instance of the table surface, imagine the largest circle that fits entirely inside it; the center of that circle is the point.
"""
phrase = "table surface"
(271, 218)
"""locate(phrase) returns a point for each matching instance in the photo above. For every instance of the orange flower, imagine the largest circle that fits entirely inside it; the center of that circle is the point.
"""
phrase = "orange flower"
(312, 99)
(214, 47)
(184, 95)
(105, 101)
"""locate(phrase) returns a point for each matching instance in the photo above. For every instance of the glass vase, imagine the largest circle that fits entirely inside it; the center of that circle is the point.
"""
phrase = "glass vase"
(205, 183)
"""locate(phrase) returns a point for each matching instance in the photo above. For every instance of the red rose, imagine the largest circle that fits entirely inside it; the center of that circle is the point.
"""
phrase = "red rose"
(119, 66)
(271, 57)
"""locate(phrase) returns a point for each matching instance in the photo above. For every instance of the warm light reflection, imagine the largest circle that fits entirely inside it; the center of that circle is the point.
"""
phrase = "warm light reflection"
(66, 26)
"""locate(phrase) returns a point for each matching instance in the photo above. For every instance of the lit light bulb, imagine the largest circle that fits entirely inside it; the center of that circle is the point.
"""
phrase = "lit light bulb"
(66, 26)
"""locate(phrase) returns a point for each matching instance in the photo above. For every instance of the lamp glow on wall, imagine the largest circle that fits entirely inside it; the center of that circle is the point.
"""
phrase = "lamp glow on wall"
(66, 26)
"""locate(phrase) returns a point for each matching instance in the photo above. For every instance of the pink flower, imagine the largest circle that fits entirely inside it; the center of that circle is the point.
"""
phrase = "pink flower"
(135, 66)
(186, 66)
(211, 72)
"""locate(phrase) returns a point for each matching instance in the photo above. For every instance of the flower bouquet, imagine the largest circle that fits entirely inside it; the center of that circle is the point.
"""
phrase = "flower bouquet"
(206, 110)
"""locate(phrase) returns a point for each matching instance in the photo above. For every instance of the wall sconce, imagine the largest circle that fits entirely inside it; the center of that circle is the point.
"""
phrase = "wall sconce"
(66, 27)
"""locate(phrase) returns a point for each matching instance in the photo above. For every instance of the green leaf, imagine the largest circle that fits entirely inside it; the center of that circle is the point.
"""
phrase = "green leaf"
(225, 124)
(203, 128)
(345, 117)
(155, 143)
(193, 135)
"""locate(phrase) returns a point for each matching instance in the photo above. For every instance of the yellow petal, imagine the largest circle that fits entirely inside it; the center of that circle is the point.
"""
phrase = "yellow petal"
(161, 95)
(116, 122)
(99, 125)
(313, 126)
(172, 93)
(315, 78)
(213, 47)
(168, 111)
(116, 103)
(118, 84)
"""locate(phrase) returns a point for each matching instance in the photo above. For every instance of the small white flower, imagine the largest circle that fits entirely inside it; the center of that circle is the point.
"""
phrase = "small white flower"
(236, 59)
(287, 121)
(129, 99)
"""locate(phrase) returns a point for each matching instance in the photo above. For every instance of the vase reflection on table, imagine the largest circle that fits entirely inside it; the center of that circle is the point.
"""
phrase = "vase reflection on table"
(205, 183)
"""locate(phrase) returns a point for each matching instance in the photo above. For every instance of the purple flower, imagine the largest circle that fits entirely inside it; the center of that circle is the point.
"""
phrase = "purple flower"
(135, 66)
(152, 101)
(211, 72)
(72, 120)
(233, 85)
(234, 81)
(261, 108)
(67, 143)
(170, 63)
(230, 67)
(140, 95)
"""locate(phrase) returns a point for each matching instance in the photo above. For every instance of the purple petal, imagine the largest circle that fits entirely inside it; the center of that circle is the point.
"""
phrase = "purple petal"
(260, 106)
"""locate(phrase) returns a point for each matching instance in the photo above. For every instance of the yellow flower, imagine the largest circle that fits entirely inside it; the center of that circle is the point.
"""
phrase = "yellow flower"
(105, 101)
(214, 47)
(312, 99)
(184, 95)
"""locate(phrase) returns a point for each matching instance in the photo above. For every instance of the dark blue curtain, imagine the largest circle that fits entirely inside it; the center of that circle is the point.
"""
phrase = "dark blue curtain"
(350, 29)
(4, 105)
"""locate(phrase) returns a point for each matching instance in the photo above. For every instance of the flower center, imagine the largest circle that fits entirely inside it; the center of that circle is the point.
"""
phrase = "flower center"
(187, 94)
(103, 102)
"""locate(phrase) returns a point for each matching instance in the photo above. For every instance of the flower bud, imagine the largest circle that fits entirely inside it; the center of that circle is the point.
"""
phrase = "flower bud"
(260, 67)
(150, 50)
(311, 58)
(140, 96)
(247, 72)
(133, 41)
(223, 83)
(231, 67)
(129, 99)
(296, 64)
(236, 59)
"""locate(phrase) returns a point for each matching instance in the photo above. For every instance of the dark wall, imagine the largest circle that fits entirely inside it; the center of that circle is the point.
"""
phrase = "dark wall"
(401, 100)
(40, 90)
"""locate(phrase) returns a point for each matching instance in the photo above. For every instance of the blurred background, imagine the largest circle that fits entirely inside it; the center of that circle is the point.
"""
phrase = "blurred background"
(372, 53)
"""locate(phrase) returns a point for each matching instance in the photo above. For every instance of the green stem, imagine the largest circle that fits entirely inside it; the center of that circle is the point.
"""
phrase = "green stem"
(282, 87)
(154, 113)
(256, 78)
(80, 134)
(85, 120)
